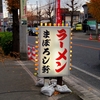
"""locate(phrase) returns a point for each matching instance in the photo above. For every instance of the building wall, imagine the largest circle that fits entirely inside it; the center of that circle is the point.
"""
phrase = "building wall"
(68, 19)
(87, 15)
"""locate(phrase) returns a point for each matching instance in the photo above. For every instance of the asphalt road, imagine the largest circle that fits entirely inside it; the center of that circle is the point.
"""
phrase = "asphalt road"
(86, 63)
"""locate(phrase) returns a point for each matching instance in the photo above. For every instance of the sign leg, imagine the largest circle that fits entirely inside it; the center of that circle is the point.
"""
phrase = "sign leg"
(59, 80)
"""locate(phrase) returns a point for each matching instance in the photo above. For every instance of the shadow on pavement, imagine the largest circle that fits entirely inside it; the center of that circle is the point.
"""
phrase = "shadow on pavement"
(70, 96)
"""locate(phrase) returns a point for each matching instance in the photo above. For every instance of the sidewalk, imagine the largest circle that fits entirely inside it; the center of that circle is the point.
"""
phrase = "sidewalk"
(17, 82)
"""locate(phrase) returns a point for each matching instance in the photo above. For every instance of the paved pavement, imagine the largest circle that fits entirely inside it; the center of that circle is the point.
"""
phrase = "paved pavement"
(17, 82)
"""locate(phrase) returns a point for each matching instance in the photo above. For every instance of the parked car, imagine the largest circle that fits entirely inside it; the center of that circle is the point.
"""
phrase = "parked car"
(28, 29)
(92, 27)
(78, 27)
(9, 29)
(32, 31)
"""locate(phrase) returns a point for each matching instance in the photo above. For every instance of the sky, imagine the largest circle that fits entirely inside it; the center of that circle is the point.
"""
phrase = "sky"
(43, 2)
(34, 1)
(34, 4)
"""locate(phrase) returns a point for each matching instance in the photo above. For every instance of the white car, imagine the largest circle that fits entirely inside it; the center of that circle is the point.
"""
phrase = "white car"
(93, 27)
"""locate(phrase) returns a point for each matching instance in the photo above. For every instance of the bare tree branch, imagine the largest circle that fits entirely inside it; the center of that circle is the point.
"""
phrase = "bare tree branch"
(49, 9)
(73, 5)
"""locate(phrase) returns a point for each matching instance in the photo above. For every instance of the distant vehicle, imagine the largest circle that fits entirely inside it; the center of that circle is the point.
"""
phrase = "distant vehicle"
(28, 28)
(32, 31)
(92, 27)
(9, 29)
(78, 27)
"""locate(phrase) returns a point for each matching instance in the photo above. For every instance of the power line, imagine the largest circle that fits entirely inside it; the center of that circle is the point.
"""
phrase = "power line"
(43, 6)
(46, 5)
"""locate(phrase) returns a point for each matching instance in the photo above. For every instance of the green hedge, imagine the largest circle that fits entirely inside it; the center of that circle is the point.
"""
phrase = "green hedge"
(6, 42)
(1, 35)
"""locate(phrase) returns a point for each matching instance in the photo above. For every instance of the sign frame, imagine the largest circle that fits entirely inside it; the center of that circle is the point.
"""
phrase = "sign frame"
(54, 46)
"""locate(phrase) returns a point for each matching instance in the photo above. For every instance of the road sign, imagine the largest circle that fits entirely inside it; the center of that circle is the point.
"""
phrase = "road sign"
(23, 10)
(92, 22)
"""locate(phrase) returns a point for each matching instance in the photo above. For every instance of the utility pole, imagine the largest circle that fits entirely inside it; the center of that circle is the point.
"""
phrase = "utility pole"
(1, 16)
(23, 31)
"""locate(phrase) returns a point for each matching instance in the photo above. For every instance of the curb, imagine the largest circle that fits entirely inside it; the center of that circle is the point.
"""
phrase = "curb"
(81, 88)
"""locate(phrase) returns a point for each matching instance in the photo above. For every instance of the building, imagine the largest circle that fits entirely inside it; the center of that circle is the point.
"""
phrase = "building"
(66, 16)
(90, 22)
(87, 15)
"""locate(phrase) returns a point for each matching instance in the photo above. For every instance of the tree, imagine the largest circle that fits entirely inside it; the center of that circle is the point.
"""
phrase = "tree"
(49, 10)
(34, 14)
(40, 15)
(73, 5)
(13, 6)
(94, 10)
(30, 17)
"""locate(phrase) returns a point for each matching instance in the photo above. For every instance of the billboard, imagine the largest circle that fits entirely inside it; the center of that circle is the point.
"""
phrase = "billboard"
(54, 51)
(58, 13)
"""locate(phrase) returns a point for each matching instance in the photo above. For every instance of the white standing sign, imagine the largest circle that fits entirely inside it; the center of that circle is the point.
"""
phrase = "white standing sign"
(23, 10)
(54, 51)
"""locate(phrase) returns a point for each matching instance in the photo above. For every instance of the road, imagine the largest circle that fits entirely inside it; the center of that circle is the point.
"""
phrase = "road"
(31, 40)
(86, 63)
(85, 60)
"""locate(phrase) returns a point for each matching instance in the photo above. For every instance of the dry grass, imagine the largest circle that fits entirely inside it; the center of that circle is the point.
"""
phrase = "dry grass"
(12, 56)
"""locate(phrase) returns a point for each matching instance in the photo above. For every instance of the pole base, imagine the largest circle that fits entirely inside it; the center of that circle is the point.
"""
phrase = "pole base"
(23, 56)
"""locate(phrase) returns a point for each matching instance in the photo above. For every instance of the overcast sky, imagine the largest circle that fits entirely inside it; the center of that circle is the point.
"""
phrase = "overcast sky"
(34, 3)
(43, 2)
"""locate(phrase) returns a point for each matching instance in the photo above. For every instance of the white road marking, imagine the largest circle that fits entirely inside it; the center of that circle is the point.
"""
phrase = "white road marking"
(97, 77)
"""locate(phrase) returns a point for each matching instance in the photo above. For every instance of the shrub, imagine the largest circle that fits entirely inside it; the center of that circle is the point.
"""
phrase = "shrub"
(6, 42)
(1, 35)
